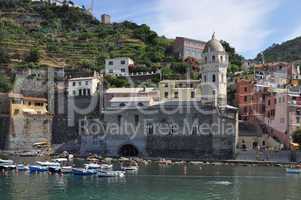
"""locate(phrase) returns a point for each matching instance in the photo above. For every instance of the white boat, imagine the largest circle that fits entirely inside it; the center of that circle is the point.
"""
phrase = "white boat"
(293, 170)
(22, 167)
(129, 168)
(6, 162)
(106, 166)
(60, 160)
(92, 166)
(48, 164)
(66, 169)
(110, 174)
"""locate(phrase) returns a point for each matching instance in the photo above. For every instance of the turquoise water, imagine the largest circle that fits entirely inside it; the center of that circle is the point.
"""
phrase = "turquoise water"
(157, 183)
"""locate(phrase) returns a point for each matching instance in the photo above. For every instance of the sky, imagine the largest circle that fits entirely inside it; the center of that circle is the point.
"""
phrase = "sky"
(248, 25)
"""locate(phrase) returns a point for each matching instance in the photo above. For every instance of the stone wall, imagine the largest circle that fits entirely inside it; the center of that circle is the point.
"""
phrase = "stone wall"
(26, 130)
(4, 131)
(178, 134)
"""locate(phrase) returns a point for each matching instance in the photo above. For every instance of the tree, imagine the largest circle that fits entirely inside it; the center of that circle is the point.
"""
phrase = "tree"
(33, 56)
(5, 84)
(297, 136)
(234, 58)
(4, 57)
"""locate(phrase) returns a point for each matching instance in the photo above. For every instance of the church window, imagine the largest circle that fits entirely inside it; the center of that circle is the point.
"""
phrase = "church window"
(213, 58)
(213, 78)
(221, 58)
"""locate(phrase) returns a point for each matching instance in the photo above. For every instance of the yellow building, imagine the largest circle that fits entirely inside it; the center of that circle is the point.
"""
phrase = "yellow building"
(181, 90)
(20, 104)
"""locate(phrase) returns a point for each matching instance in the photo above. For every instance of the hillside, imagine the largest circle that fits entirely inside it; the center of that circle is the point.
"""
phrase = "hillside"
(67, 36)
(35, 34)
(287, 51)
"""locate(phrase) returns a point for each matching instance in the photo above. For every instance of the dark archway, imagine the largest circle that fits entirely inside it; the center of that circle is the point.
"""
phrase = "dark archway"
(128, 150)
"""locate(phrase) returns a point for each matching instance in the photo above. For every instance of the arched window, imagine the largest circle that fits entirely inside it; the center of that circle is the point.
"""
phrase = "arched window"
(222, 58)
(213, 58)
(213, 78)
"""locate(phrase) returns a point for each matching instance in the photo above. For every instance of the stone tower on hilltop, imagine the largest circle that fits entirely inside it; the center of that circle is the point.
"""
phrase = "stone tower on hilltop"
(214, 72)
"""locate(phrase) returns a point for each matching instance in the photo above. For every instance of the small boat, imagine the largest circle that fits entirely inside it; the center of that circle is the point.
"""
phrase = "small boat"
(66, 169)
(293, 170)
(37, 168)
(48, 164)
(106, 166)
(83, 172)
(22, 167)
(6, 162)
(129, 166)
(92, 166)
(9, 167)
(110, 174)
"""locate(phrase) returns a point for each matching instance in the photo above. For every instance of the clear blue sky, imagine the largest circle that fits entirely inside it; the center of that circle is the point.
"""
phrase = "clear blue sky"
(249, 25)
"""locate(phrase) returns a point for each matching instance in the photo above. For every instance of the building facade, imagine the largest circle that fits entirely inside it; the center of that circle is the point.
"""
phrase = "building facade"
(105, 19)
(118, 66)
(185, 47)
(83, 86)
(180, 90)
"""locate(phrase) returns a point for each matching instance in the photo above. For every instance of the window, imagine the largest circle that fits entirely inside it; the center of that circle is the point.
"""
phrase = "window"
(246, 89)
(80, 92)
(166, 85)
(245, 98)
(89, 92)
(166, 94)
(150, 129)
(192, 94)
(74, 93)
(111, 71)
(119, 118)
(213, 78)
(122, 104)
(87, 82)
(84, 92)
(140, 104)
(298, 120)
(269, 102)
(205, 78)
(222, 58)
(122, 62)
(206, 59)
(79, 83)
(176, 95)
(111, 62)
(73, 83)
(122, 70)
(213, 58)
(136, 120)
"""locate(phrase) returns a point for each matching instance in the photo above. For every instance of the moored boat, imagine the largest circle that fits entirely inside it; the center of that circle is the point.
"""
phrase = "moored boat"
(83, 172)
(293, 170)
(37, 168)
(22, 167)
(110, 174)
(129, 166)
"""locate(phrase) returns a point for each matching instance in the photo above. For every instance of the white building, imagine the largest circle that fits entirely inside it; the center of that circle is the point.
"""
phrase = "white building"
(214, 72)
(118, 66)
(84, 86)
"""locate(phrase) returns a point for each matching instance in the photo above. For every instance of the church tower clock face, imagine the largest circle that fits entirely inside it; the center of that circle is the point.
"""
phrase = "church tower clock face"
(214, 72)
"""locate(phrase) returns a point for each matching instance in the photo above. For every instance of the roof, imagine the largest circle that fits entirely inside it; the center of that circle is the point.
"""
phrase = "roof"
(20, 96)
(249, 129)
(82, 78)
(129, 90)
(214, 45)
(180, 81)
(130, 99)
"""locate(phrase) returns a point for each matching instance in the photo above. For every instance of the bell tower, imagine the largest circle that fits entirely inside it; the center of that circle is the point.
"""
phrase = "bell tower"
(214, 72)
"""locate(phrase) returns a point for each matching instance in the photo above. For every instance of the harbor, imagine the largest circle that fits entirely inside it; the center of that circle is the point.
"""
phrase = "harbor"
(158, 180)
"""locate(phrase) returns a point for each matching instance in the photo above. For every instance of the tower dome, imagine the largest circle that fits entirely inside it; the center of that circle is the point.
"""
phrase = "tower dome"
(214, 45)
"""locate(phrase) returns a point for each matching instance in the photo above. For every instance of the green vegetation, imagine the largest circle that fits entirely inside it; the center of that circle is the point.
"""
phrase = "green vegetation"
(4, 57)
(288, 51)
(5, 84)
(234, 58)
(297, 136)
(115, 81)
